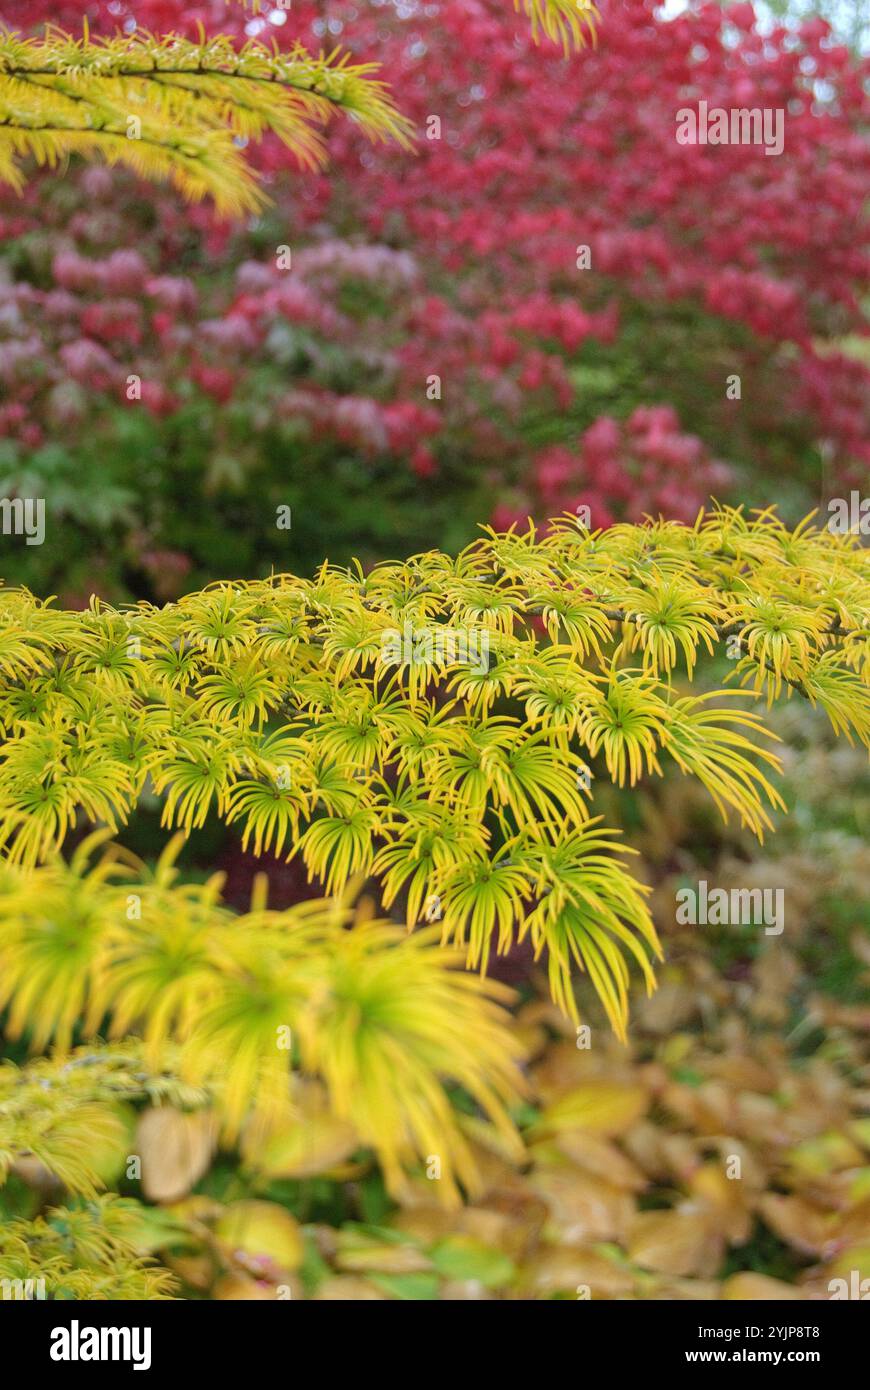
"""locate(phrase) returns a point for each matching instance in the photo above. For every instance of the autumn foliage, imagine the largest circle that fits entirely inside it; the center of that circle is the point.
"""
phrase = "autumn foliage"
(493, 754)
(458, 259)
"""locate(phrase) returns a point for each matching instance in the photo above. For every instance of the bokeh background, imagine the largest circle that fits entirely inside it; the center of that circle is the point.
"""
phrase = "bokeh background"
(440, 356)
(559, 386)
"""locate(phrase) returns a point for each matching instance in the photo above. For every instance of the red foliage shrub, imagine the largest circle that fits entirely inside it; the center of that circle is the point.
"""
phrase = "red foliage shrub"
(705, 260)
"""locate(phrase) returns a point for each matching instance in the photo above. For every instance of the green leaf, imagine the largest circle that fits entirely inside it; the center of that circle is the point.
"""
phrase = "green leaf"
(463, 1258)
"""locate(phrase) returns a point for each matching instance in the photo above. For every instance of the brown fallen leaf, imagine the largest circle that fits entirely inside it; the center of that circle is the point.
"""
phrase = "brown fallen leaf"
(560, 1269)
(671, 1006)
(852, 1227)
(564, 1066)
(850, 1267)
(238, 1287)
(358, 1253)
(675, 1242)
(727, 1201)
(344, 1288)
(754, 1288)
(426, 1224)
(708, 1108)
(805, 1227)
(670, 1289)
(582, 1208)
(526, 1216)
(743, 1073)
(196, 1270)
(601, 1158)
(661, 1155)
(176, 1150)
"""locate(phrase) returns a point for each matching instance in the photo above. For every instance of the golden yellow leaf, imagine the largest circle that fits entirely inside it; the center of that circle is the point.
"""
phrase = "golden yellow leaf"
(305, 1148)
(828, 1153)
(597, 1107)
(261, 1229)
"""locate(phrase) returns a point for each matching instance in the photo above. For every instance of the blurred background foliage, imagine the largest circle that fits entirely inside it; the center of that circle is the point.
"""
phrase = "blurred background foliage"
(168, 379)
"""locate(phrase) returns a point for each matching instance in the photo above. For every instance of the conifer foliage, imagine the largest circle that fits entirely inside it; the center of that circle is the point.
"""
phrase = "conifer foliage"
(171, 108)
(433, 729)
(437, 726)
(223, 1003)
